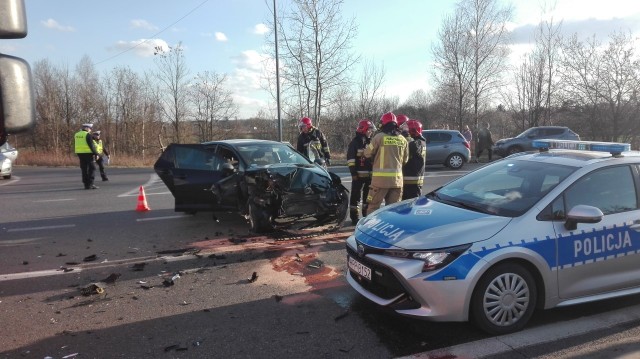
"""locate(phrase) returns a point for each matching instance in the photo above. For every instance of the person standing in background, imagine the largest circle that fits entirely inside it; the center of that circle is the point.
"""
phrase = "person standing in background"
(485, 141)
(102, 154)
(389, 152)
(360, 168)
(468, 135)
(87, 153)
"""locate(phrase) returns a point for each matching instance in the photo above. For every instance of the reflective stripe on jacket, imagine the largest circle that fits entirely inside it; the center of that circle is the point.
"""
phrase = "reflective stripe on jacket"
(389, 153)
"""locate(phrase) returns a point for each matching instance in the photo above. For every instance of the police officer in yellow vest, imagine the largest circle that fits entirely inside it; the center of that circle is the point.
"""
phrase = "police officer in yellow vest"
(87, 153)
(389, 151)
(102, 154)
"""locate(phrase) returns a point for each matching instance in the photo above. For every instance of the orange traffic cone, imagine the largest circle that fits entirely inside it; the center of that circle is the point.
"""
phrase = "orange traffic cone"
(142, 201)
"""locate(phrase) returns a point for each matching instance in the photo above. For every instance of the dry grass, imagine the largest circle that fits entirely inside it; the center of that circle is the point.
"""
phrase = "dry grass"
(33, 158)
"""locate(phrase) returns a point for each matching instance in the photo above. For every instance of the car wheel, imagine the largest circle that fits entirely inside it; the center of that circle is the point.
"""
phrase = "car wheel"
(514, 149)
(7, 177)
(259, 219)
(455, 161)
(504, 299)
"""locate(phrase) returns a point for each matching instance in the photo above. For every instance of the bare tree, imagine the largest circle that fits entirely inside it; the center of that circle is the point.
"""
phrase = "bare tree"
(453, 67)
(173, 75)
(316, 55)
(486, 22)
(212, 103)
(369, 88)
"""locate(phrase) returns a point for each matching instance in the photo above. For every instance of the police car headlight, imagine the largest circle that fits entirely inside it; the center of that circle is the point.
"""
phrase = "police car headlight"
(434, 259)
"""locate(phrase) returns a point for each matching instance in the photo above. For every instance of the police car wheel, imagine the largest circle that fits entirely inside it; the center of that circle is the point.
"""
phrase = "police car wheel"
(504, 299)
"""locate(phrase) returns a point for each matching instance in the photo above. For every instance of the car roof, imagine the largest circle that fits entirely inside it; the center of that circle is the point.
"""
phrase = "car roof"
(445, 131)
(575, 158)
(243, 141)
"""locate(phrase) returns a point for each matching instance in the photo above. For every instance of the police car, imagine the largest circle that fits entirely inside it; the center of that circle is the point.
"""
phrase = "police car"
(535, 230)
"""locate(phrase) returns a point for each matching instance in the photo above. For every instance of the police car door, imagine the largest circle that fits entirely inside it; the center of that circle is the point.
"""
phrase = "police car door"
(600, 257)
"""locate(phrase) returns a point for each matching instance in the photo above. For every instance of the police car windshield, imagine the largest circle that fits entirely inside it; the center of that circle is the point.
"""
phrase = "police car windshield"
(506, 188)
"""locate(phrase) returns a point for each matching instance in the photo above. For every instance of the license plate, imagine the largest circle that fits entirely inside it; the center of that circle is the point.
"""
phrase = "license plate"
(359, 268)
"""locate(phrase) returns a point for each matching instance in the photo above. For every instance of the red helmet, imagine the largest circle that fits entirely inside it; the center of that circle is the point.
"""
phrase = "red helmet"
(388, 118)
(305, 122)
(364, 126)
(415, 127)
(402, 119)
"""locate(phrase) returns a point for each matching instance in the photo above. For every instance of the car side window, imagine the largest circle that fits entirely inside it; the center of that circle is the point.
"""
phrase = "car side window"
(612, 190)
(194, 158)
(554, 131)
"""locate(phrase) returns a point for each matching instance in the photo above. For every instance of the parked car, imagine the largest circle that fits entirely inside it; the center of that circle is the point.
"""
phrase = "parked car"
(8, 155)
(533, 231)
(446, 147)
(270, 183)
(524, 141)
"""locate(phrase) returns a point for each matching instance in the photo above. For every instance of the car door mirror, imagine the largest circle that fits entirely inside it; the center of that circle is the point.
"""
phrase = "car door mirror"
(582, 214)
(319, 161)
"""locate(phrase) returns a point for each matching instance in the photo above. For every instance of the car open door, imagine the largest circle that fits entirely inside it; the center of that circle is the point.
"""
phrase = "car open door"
(189, 171)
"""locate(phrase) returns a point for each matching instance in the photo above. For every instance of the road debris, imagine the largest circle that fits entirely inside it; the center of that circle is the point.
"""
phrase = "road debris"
(93, 288)
(341, 316)
(253, 278)
(235, 240)
(90, 258)
(316, 263)
(138, 267)
(171, 281)
(298, 259)
(65, 269)
(278, 298)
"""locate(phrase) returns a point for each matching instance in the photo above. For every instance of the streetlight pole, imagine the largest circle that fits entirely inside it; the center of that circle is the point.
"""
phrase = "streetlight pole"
(275, 32)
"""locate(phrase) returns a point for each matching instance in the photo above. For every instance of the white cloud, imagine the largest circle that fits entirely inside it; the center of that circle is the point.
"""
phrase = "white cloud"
(143, 24)
(52, 24)
(142, 47)
(220, 36)
(260, 29)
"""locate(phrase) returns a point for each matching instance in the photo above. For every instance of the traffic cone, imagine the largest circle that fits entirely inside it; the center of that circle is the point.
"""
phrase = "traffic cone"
(142, 201)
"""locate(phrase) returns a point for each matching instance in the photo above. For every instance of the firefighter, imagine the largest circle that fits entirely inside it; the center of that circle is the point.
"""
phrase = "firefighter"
(413, 170)
(360, 168)
(388, 151)
(312, 137)
(402, 125)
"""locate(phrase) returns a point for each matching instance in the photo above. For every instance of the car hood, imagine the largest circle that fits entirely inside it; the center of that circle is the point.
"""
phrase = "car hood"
(426, 224)
(504, 140)
(299, 178)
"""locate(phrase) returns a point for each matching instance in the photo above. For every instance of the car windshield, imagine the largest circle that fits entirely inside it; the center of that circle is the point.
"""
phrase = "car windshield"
(258, 155)
(526, 133)
(506, 188)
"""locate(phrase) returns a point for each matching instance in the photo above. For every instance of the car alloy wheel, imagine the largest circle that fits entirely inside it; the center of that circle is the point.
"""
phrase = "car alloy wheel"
(504, 299)
(455, 161)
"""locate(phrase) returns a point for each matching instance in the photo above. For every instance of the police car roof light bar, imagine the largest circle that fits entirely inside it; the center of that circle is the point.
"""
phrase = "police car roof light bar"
(612, 147)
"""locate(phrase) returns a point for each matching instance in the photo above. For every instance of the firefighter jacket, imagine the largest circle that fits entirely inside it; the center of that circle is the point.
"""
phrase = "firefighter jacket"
(358, 164)
(413, 170)
(314, 138)
(84, 142)
(389, 152)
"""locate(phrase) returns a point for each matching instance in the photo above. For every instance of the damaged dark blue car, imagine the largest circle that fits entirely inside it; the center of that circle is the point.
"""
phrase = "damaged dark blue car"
(268, 182)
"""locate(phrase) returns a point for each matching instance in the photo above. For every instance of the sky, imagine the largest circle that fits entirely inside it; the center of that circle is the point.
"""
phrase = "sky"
(228, 36)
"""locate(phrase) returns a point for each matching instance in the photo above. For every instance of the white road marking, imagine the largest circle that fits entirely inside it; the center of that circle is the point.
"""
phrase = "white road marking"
(40, 228)
(12, 180)
(19, 242)
(153, 179)
(55, 200)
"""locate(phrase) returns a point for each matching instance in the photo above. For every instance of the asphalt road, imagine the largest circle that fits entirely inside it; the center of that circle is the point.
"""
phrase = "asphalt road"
(57, 238)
